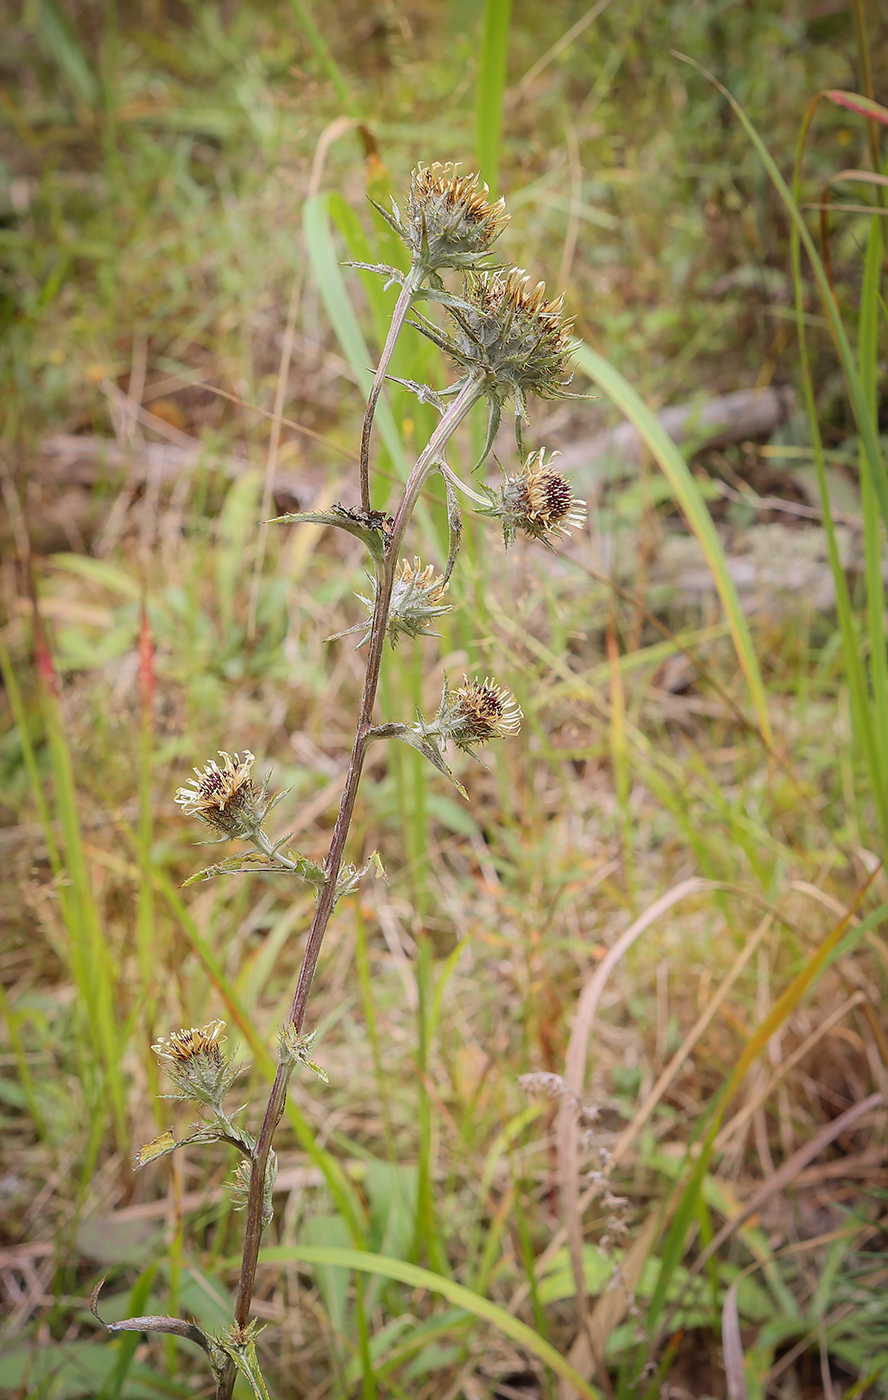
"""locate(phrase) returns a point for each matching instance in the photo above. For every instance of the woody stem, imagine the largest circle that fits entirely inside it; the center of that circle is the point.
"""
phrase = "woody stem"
(425, 464)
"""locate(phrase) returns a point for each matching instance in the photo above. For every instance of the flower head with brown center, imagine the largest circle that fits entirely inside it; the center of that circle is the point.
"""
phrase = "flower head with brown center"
(473, 713)
(449, 220)
(225, 797)
(485, 710)
(194, 1061)
(538, 501)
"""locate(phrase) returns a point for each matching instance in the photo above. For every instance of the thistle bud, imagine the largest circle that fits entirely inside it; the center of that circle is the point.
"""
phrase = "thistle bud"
(474, 713)
(417, 599)
(240, 1187)
(449, 221)
(514, 335)
(538, 501)
(226, 798)
(509, 339)
(194, 1061)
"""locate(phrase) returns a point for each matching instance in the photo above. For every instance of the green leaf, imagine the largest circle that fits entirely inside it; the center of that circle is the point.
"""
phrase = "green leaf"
(59, 40)
(423, 746)
(99, 572)
(80, 1369)
(325, 1232)
(371, 535)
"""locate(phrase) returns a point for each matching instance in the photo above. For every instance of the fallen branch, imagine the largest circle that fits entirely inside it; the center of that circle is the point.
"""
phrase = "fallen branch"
(749, 413)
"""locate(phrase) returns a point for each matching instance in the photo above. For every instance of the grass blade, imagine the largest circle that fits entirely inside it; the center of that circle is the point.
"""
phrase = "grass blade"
(782, 1008)
(455, 1293)
(868, 349)
(687, 494)
(321, 251)
(323, 55)
(862, 417)
(59, 40)
(491, 85)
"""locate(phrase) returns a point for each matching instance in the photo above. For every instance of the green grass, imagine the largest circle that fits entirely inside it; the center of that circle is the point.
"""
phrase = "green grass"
(163, 212)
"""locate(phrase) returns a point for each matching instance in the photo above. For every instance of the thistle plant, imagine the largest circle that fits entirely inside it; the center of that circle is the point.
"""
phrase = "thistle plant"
(508, 342)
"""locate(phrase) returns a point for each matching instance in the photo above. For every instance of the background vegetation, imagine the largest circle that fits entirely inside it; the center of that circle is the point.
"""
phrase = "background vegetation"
(684, 842)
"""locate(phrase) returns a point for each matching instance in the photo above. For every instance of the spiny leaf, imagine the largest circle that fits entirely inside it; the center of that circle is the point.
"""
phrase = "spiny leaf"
(251, 863)
(423, 746)
(167, 1142)
(240, 1346)
(169, 1326)
(159, 1147)
(371, 534)
(454, 526)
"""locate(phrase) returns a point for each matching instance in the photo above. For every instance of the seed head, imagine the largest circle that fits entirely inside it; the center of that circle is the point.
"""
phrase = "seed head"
(474, 713)
(538, 501)
(185, 1045)
(449, 220)
(485, 710)
(225, 798)
(194, 1061)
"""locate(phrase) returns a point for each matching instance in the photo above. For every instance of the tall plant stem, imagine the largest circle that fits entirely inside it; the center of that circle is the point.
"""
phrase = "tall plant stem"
(410, 286)
(425, 464)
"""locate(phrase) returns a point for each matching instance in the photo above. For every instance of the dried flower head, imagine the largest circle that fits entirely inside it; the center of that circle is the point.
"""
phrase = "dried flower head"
(194, 1061)
(225, 798)
(449, 220)
(538, 501)
(474, 713)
